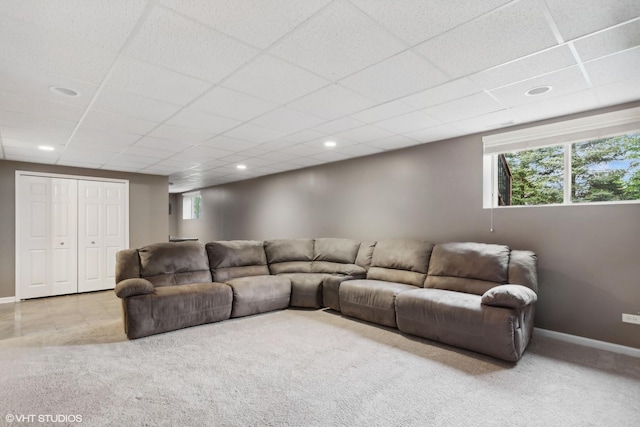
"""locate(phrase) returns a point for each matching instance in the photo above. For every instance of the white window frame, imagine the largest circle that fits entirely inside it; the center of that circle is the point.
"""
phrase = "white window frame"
(188, 200)
(565, 134)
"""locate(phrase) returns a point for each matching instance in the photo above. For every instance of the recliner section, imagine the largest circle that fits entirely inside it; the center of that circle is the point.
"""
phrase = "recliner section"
(475, 296)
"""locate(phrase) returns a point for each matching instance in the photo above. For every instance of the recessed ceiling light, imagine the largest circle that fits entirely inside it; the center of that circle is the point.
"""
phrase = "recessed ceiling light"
(330, 144)
(64, 91)
(242, 167)
(46, 148)
(538, 90)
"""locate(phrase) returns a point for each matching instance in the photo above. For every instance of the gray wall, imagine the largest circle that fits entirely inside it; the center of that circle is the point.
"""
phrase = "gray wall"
(173, 214)
(588, 255)
(148, 204)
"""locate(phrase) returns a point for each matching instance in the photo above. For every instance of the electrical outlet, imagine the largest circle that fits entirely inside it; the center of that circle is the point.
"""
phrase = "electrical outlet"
(631, 318)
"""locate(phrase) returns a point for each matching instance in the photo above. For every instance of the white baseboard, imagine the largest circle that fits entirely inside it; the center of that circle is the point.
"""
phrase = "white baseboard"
(588, 342)
(7, 300)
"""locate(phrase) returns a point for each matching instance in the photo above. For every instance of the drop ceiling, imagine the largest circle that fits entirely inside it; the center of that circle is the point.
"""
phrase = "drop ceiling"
(191, 89)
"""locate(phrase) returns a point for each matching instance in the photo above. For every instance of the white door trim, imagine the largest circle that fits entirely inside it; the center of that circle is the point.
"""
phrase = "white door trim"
(20, 174)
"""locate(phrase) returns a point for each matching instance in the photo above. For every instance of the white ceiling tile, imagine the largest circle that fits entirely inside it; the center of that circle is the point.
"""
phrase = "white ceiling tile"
(392, 143)
(161, 144)
(152, 81)
(306, 162)
(462, 108)
(107, 120)
(500, 36)
(23, 43)
(32, 145)
(558, 106)
(47, 134)
(128, 104)
(26, 126)
(78, 164)
(331, 156)
(359, 150)
(201, 153)
(287, 120)
(278, 156)
(130, 169)
(563, 82)
(614, 68)
(29, 155)
(332, 102)
(259, 23)
(152, 153)
(228, 144)
(342, 141)
(105, 23)
(253, 133)
(440, 94)
(576, 18)
(276, 145)
(30, 81)
(229, 103)
(493, 120)
(339, 125)
(436, 133)
(338, 41)
(19, 103)
(193, 119)
(531, 66)
(408, 19)
(274, 80)
(130, 160)
(253, 151)
(178, 134)
(298, 137)
(619, 92)
(302, 150)
(87, 136)
(254, 162)
(409, 122)
(87, 154)
(395, 77)
(364, 133)
(383, 111)
(609, 41)
(180, 44)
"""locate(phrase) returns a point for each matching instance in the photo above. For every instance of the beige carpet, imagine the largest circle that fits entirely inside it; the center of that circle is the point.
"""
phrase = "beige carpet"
(308, 368)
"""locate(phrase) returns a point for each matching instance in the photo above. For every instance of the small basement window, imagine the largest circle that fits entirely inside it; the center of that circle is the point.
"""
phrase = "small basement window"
(589, 160)
(191, 205)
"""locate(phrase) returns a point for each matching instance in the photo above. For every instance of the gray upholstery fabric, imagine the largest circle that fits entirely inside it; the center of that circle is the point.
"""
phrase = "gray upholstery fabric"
(306, 289)
(176, 307)
(259, 294)
(459, 284)
(180, 278)
(289, 255)
(331, 291)
(394, 260)
(511, 296)
(523, 267)
(236, 258)
(371, 300)
(127, 264)
(338, 268)
(336, 250)
(365, 253)
(460, 319)
(132, 287)
(170, 258)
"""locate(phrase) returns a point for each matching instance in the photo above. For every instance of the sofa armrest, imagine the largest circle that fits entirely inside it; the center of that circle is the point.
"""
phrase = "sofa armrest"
(132, 287)
(510, 296)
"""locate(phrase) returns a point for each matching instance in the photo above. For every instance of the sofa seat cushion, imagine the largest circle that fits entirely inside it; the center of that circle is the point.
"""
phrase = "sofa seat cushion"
(176, 307)
(460, 319)
(259, 294)
(371, 300)
(306, 289)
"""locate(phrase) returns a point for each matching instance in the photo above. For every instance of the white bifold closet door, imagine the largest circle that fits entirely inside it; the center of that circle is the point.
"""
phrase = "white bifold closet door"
(101, 233)
(48, 233)
(69, 232)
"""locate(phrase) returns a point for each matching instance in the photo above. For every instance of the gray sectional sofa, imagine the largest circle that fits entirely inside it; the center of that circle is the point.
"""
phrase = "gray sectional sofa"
(476, 296)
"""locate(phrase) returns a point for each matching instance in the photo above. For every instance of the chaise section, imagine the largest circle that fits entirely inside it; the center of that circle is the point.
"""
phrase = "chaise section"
(396, 266)
(242, 265)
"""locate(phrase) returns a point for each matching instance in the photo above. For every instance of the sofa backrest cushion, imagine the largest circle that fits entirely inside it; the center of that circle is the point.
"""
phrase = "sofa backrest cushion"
(165, 264)
(236, 258)
(127, 265)
(468, 267)
(289, 255)
(401, 260)
(336, 250)
(329, 267)
(365, 254)
(523, 267)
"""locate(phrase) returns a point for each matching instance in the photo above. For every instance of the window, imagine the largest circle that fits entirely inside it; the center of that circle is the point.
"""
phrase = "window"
(590, 160)
(191, 205)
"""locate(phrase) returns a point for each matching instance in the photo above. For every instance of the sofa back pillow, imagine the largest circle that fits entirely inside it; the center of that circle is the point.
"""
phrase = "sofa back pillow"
(336, 250)
(400, 260)
(468, 267)
(166, 264)
(365, 254)
(236, 258)
(289, 255)
(523, 269)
